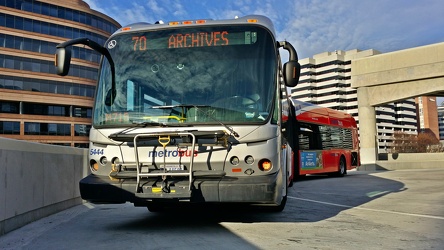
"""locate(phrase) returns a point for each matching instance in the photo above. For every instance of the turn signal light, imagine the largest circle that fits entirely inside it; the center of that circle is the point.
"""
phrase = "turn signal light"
(94, 166)
(265, 165)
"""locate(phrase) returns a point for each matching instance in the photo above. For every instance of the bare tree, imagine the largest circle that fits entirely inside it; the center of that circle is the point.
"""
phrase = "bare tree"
(403, 142)
(426, 141)
(410, 143)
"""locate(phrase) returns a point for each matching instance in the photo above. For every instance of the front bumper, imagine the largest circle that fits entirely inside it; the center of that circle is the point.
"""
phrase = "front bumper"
(252, 189)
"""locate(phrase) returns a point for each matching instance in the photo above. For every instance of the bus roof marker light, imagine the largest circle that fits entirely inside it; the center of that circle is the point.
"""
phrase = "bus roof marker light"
(252, 21)
(173, 23)
(187, 22)
(201, 21)
(126, 28)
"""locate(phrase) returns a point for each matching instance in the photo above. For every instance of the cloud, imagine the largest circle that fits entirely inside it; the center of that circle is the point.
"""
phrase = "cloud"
(312, 26)
(154, 7)
(93, 4)
(319, 26)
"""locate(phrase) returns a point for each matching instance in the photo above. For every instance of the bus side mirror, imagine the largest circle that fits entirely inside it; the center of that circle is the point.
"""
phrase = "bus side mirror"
(292, 71)
(62, 61)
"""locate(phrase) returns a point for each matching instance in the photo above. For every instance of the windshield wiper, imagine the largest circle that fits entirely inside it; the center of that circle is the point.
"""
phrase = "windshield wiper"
(180, 106)
(208, 114)
(147, 123)
(135, 125)
(197, 107)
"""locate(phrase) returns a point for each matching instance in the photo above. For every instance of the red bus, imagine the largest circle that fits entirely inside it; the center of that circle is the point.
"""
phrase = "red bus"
(324, 140)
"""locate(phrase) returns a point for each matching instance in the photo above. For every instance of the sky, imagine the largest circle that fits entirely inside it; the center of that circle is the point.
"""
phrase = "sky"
(312, 26)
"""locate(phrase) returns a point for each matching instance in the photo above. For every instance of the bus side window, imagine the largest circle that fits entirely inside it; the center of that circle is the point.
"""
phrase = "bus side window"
(326, 139)
(304, 140)
(348, 138)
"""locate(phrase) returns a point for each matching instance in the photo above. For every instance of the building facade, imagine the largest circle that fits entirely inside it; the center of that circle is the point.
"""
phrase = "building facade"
(35, 103)
(326, 81)
(427, 113)
(441, 121)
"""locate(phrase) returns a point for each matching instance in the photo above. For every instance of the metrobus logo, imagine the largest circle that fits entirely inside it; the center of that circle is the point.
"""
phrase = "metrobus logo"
(172, 153)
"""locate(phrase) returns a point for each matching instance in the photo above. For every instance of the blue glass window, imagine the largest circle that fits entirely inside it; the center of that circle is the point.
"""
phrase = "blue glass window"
(7, 127)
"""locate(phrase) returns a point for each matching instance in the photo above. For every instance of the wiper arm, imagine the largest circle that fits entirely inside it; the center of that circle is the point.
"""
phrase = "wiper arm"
(216, 120)
(147, 123)
(135, 125)
(180, 106)
(197, 107)
(160, 124)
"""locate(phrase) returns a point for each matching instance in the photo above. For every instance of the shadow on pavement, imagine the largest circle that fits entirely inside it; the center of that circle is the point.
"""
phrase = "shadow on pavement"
(311, 199)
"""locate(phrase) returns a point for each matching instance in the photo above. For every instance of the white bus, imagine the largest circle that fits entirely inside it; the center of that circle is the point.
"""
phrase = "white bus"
(189, 111)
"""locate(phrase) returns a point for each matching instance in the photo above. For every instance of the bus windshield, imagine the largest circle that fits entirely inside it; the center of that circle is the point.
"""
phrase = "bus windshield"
(189, 76)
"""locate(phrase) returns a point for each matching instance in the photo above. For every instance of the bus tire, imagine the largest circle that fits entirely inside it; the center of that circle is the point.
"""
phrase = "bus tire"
(155, 208)
(342, 168)
(277, 209)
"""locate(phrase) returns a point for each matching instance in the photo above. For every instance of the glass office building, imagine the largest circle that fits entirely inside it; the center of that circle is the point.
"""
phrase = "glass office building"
(35, 103)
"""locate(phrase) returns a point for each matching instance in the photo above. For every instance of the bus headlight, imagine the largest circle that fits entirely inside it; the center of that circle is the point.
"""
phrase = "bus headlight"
(265, 165)
(234, 160)
(103, 160)
(249, 159)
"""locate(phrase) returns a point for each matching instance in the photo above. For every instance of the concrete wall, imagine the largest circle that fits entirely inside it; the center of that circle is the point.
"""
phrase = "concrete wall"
(391, 77)
(400, 74)
(37, 180)
(407, 161)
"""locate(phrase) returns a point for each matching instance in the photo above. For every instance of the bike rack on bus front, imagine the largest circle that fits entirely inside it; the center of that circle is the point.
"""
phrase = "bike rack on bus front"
(161, 137)
(189, 139)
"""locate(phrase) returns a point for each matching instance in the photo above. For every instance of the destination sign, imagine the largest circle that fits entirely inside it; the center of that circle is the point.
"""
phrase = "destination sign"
(192, 39)
(217, 38)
